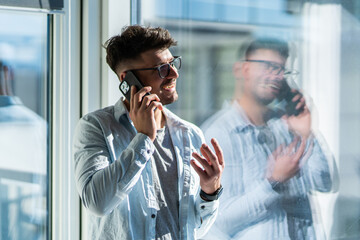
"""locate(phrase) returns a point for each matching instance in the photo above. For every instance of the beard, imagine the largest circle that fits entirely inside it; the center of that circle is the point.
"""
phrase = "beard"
(166, 100)
(263, 100)
(263, 97)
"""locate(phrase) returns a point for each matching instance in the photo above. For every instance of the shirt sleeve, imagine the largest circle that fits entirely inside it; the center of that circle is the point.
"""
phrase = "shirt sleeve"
(319, 167)
(208, 213)
(102, 183)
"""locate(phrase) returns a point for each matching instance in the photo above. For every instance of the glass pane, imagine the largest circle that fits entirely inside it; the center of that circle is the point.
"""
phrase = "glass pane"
(23, 125)
(320, 198)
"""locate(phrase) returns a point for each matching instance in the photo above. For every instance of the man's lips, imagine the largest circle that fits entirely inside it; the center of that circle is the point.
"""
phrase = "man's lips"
(271, 85)
(169, 86)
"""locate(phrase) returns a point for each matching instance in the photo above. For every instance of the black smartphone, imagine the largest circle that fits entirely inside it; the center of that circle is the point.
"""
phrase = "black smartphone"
(130, 80)
(287, 95)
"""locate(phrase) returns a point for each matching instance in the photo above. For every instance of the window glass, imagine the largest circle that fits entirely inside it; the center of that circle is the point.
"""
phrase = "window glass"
(322, 196)
(24, 98)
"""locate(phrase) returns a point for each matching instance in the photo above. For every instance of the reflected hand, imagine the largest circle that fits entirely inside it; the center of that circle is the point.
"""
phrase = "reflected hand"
(287, 160)
(212, 167)
(300, 124)
(142, 111)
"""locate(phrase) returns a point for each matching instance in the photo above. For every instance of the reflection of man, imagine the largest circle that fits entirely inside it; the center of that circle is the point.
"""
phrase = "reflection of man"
(272, 162)
(132, 160)
(22, 164)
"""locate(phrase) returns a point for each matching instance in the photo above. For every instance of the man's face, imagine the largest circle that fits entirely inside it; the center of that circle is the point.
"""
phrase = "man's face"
(164, 88)
(264, 75)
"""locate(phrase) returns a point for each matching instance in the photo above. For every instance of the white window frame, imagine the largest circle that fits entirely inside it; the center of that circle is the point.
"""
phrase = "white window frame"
(115, 15)
(65, 206)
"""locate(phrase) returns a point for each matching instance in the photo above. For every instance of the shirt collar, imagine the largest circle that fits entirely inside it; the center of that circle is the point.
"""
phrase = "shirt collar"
(242, 122)
(6, 101)
(120, 109)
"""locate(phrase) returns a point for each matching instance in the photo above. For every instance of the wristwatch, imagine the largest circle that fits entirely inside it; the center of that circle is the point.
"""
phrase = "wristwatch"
(275, 185)
(213, 196)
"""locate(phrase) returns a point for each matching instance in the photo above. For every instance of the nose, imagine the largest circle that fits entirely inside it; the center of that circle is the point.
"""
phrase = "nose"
(276, 77)
(173, 72)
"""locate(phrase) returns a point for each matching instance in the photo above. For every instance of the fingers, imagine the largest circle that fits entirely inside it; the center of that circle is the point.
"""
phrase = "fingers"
(300, 104)
(282, 150)
(136, 97)
(206, 153)
(278, 150)
(296, 97)
(142, 99)
(155, 105)
(218, 151)
(203, 161)
(198, 169)
(132, 98)
(292, 145)
(146, 100)
(210, 156)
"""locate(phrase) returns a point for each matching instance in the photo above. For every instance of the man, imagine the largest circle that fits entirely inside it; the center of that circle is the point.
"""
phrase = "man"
(272, 162)
(132, 160)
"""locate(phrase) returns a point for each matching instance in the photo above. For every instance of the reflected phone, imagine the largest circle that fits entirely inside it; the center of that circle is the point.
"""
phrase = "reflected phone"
(130, 80)
(287, 95)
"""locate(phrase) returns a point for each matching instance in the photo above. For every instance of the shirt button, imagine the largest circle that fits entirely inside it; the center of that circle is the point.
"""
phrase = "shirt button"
(153, 215)
(202, 207)
(148, 151)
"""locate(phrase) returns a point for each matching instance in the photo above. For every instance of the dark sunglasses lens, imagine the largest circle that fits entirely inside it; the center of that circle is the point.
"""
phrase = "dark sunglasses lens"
(164, 70)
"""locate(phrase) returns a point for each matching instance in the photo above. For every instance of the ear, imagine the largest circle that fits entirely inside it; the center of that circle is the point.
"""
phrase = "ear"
(121, 76)
(244, 71)
(237, 70)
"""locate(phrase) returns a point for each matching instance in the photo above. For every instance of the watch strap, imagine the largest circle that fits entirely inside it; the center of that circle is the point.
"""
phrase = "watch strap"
(213, 196)
(275, 185)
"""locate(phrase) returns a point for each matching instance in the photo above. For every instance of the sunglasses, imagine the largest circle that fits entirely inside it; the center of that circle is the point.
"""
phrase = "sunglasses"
(275, 68)
(164, 69)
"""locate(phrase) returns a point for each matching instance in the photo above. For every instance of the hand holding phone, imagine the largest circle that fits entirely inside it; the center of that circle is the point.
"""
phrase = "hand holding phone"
(130, 80)
(287, 94)
(142, 104)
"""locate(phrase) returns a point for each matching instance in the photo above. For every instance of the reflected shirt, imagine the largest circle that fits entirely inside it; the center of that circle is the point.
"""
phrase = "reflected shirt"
(23, 160)
(22, 137)
(115, 181)
(250, 208)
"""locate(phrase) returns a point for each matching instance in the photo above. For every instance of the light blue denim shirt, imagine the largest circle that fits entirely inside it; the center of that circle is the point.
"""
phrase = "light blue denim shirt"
(250, 208)
(114, 178)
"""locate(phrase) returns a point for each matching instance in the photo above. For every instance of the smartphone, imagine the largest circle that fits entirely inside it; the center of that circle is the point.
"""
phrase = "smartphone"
(287, 95)
(130, 80)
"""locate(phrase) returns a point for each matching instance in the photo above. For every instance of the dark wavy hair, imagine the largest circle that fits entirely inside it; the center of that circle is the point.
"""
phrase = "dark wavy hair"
(264, 43)
(133, 41)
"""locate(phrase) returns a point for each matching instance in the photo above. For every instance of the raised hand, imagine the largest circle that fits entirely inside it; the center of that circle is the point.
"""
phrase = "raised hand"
(212, 167)
(142, 111)
(287, 160)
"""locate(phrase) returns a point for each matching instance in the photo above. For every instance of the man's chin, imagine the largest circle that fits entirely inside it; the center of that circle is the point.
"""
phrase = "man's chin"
(266, 100)
(170, 99)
